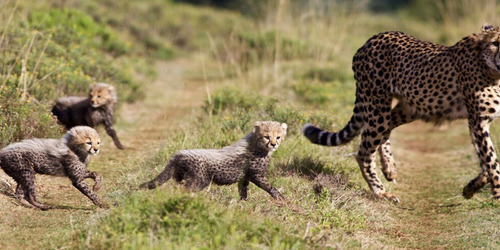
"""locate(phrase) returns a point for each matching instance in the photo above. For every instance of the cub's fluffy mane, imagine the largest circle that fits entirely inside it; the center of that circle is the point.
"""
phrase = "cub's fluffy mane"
(228, 152)
(54, 147)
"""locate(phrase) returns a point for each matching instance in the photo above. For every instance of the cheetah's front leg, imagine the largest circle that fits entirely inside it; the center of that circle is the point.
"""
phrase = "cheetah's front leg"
(84, 188)
(97, 180)
(261, 181)
(487, 157)
(477, 183)
(108, 125)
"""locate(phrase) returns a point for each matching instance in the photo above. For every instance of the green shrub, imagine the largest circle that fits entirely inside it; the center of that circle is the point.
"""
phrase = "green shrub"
(24, 119)
(72, 26)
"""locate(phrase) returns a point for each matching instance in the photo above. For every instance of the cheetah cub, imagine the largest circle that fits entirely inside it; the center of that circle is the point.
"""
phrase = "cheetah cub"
(68, 156)
(245, 161)
(94, 110)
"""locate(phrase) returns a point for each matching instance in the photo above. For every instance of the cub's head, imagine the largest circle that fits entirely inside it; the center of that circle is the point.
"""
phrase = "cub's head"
(83, 140)
(490, 41)
(269, 134)
(102, 94)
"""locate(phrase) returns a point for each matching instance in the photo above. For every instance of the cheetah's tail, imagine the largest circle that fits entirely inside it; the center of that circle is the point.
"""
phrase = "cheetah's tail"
(321, 137)
(161, 178)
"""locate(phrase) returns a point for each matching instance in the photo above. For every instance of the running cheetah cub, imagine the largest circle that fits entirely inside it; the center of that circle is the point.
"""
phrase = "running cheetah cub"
(68, 156)
(94, 110)
(245, 161)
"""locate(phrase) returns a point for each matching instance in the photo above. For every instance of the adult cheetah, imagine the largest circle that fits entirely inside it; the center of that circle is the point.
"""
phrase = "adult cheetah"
(431, 82)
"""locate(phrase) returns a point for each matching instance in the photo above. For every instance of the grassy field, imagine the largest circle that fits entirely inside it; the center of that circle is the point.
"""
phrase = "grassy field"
(198, 77)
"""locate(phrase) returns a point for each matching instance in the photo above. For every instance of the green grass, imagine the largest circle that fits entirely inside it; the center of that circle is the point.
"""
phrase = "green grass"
(175, 219)
(290, 65)
(162, 29)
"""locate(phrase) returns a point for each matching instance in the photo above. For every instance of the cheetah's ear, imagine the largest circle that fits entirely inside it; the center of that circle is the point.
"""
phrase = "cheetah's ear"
(256, 126)
(284, 127)
(91, 88)
(487, 27)
(112, 93)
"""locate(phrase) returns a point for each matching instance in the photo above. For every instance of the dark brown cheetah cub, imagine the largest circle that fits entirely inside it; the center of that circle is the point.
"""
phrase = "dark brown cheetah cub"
(68, 156)
(431, 82)
(245, 161)
(94, 110)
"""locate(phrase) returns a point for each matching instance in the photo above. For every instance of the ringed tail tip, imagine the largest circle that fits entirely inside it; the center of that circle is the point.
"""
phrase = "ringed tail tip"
(311, 132)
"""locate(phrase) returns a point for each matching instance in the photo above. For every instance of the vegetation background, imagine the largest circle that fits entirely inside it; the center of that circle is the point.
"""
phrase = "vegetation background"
(197, 74)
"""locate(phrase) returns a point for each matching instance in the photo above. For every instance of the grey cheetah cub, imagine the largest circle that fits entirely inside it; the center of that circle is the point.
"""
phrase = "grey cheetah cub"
(94, 110)
(68, 156)
(245, 161)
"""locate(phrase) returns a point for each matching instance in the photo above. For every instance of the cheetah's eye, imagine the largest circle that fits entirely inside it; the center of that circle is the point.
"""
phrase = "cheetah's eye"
(266, 137)
(98, 143)
(279, 137)
(98, 96)
(496, 43)
(89, 143)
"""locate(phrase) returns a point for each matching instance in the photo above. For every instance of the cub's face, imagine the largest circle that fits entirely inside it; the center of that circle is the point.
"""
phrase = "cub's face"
(92, 145)
(84, 138)
(270, 134)
(102, 94)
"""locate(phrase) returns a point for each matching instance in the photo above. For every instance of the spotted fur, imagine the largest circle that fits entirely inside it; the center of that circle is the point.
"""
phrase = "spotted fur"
(431, 82)
(68, 156)
(94, 110)
(245, 161)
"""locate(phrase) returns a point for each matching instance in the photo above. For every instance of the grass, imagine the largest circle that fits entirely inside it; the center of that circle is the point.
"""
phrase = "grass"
(291, 65)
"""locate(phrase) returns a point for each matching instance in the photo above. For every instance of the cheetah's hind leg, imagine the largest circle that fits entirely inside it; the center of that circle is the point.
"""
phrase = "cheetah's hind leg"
(387, 161)
(28, 185)
(20, 197)
(475, 185)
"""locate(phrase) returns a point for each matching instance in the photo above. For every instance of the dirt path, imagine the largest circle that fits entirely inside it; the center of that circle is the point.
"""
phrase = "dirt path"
(434, 165)
(175, 98)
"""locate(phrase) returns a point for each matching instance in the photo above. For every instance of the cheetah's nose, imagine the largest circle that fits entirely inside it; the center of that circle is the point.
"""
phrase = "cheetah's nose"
(273, 144)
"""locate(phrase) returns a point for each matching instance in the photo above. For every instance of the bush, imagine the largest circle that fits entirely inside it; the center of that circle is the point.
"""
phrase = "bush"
(23, 119)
